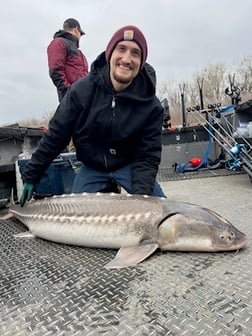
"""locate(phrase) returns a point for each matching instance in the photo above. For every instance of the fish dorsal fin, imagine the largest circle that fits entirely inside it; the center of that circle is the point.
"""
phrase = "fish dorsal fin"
(131, 256)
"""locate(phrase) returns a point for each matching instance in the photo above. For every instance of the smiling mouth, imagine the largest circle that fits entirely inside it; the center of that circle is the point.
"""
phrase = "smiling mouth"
(124, 68)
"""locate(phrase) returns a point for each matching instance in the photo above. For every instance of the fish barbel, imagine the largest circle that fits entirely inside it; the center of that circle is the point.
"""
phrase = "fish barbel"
(136, 225)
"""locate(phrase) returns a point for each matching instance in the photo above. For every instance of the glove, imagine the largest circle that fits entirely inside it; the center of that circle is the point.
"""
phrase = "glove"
(27, 193)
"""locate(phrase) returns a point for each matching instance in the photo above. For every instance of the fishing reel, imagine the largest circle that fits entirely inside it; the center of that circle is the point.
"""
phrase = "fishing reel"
(214, 106)
(236, 149)
(193, 108)
(233, 91)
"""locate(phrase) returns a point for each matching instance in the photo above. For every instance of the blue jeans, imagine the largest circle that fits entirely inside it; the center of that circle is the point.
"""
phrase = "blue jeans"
(91, 181)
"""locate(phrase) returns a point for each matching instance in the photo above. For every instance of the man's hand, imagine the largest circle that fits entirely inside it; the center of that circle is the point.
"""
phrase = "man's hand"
(27, 193)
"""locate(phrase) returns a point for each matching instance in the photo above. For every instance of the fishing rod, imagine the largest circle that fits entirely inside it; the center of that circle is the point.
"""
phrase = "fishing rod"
(239, 147)
(233, 130)
(227, 134)
(235, 151)
(211, 133)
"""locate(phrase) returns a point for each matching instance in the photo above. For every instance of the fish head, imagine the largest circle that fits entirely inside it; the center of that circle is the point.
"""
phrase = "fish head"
(225, 236)
(198, 229)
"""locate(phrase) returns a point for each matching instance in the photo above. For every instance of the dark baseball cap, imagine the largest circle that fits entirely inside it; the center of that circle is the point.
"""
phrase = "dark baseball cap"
(72, 23)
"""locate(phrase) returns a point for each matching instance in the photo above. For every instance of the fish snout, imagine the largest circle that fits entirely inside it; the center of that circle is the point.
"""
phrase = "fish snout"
(232, 239)
(228, 237)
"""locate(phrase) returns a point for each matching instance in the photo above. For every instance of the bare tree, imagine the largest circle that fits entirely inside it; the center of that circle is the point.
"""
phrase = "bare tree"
(244, 76)
(213, 80)
(167, 90)
(34, 122)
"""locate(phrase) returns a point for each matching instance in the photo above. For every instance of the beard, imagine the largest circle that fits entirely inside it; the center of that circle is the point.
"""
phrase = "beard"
(121, 79)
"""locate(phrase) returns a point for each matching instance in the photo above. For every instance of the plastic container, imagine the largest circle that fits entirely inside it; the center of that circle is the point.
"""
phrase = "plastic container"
(243, 124)
(242, 131)
(58, 178)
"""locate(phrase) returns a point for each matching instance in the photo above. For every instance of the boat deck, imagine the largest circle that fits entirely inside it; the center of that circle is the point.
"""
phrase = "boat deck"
(54, 289)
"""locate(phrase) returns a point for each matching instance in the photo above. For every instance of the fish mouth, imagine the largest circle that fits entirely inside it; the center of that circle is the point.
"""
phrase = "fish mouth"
(244, 241)
(239, 243)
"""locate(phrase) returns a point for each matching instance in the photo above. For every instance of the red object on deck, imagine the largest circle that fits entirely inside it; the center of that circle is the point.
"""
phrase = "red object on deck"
(195, 161)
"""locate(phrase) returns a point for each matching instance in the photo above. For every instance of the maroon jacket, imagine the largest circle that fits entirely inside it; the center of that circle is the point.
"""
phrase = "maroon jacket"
(66, 62)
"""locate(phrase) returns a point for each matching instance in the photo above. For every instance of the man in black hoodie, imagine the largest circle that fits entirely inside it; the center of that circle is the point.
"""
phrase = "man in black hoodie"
(66, 61)
(115, 120)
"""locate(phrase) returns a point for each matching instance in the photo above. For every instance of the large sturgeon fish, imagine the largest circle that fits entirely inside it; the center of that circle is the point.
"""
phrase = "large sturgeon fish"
(136, 225)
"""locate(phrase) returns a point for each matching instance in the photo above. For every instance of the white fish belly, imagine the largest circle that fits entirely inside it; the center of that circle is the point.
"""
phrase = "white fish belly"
(93, 220)
(88, 232)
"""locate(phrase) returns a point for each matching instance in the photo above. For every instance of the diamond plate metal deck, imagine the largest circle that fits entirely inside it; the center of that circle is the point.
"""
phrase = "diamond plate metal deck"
(54, 289)
(169, 174)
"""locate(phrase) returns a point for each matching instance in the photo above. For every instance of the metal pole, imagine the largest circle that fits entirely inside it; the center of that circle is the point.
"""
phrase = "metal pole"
(245, 157)
(182, 90)
(201, 93)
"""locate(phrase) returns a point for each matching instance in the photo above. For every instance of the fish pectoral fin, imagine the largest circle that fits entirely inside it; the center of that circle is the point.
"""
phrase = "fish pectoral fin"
(131, 256)
(7, 216)
(26, 234)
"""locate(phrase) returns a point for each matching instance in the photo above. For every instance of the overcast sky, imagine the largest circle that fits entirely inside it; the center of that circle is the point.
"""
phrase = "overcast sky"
(183, 37)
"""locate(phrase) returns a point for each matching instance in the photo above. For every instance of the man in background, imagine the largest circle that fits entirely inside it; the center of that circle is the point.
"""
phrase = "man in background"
(67, 64)
(66, 61)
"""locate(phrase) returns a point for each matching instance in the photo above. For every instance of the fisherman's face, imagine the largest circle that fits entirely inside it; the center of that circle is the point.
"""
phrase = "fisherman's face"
(76, 32)
(125, 64)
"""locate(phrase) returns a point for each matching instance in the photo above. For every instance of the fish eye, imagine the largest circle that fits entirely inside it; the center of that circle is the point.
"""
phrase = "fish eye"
(222, 237)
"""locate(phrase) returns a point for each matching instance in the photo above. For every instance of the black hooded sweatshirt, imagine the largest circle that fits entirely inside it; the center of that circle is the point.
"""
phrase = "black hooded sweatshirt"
(109, 129)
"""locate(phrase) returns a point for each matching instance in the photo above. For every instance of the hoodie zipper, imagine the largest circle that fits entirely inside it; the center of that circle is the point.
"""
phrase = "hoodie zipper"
(105, 161)
(113, 103)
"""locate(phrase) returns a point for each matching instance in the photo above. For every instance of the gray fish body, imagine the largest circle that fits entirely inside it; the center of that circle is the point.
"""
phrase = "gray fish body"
(136, 225)
(96, 220)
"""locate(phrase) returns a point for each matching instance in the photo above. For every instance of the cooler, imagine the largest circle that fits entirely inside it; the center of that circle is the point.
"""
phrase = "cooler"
(58, 178)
